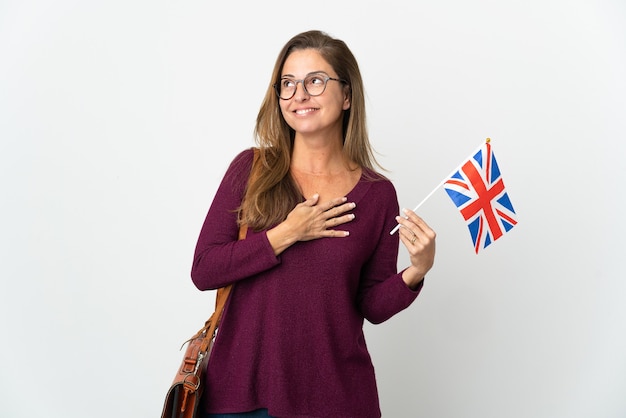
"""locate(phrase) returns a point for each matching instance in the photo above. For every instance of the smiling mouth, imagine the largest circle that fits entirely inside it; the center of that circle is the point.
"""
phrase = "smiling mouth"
(304, 111)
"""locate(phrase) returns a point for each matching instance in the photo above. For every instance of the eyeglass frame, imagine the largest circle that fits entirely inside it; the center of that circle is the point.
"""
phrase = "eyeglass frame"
(324, 77)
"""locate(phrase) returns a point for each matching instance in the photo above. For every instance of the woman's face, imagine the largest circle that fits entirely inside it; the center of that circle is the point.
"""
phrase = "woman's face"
(312, 115)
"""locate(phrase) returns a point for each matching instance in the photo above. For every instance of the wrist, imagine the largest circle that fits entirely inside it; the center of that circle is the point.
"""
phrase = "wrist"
(280, 238)
(412, 277)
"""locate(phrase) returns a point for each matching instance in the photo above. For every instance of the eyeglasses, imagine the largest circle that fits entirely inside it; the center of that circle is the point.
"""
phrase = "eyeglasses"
(314, 85)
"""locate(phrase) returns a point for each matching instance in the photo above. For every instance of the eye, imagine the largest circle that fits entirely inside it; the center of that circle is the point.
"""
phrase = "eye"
(315, 80)
(287, 83)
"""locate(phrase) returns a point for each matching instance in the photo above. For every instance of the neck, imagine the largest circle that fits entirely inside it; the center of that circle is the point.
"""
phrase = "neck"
(318, 157)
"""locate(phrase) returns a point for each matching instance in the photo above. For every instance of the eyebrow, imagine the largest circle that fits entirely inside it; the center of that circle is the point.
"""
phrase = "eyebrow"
(311, 73)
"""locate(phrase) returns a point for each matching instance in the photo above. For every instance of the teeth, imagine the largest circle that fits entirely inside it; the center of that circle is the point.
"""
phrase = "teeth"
(304, 111)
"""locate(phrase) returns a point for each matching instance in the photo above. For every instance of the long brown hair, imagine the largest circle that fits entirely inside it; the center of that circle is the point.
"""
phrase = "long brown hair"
(274, 193)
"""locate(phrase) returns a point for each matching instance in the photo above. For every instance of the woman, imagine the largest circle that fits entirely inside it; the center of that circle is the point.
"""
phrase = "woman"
(318, 258)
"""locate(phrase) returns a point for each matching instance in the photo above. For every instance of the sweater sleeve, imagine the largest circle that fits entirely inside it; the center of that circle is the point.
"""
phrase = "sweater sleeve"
(220, 258)
(382, 292)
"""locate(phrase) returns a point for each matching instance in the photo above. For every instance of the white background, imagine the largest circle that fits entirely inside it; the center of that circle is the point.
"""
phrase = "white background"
(118, 119)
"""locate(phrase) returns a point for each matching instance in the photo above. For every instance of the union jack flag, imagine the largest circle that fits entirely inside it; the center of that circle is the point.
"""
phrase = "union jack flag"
(478, 192)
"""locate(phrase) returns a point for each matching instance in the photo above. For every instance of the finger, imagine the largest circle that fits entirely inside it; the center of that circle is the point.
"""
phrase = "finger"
(339, 220)
(412, 216)
(407, 238)
(405, 231)
(414, 232)
(333, 233)
(335, 202)
(420, 226)
(338, 210)
(406, 225)
(312, 201)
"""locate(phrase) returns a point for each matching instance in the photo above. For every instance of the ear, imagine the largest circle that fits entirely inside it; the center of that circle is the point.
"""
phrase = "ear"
(346, 98)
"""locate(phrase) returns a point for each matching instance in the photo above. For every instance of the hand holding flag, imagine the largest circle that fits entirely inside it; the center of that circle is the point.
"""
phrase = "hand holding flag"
(419, 240)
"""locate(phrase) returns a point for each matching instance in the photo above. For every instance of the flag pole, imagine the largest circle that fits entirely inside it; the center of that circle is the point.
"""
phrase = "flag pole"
(393, 231)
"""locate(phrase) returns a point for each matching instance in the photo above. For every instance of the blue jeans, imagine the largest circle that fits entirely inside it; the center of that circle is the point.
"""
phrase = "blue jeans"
(259, 413)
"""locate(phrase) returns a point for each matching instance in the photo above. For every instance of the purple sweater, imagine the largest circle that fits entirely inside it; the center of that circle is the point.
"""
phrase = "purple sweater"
(292, 335)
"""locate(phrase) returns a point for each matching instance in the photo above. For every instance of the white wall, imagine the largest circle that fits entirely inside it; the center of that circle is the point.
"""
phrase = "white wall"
(118, 119)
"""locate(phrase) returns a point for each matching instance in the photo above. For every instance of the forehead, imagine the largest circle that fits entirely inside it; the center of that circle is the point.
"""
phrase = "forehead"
(304, 61)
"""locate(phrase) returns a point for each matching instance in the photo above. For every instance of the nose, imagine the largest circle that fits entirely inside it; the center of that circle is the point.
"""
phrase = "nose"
(301, 93)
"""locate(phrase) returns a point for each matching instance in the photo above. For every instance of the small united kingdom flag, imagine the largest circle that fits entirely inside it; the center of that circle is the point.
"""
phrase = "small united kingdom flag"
(478, 192)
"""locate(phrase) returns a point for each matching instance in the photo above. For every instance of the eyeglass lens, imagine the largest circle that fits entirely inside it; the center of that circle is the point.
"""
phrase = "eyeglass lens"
(314, 85)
